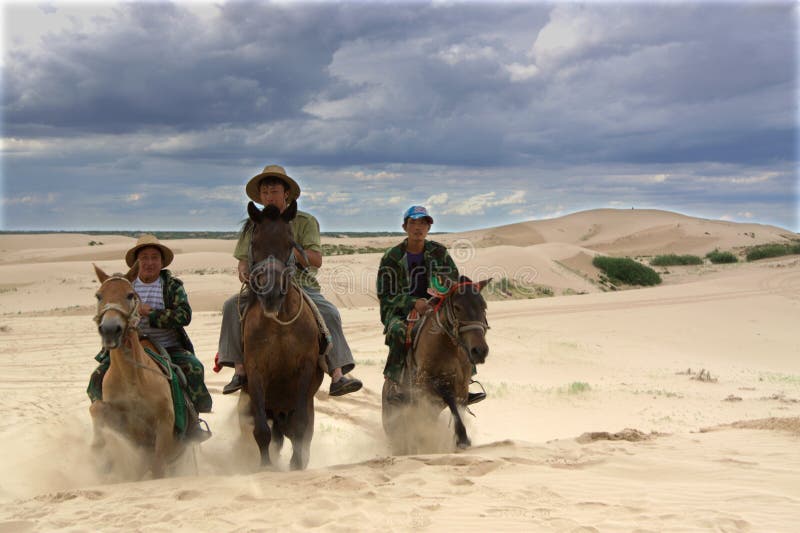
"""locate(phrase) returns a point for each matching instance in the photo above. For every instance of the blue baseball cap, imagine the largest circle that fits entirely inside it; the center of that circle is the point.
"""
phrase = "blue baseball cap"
(415, 212)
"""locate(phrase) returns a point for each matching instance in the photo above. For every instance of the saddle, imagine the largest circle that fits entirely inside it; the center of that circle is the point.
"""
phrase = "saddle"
(186, 416)
(325, 338)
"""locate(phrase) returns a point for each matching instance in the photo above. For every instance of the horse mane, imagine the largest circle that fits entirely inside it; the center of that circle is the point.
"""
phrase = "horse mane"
(247, 225)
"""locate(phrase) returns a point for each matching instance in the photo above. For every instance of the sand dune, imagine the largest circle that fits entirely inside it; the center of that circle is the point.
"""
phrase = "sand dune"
(597, 418)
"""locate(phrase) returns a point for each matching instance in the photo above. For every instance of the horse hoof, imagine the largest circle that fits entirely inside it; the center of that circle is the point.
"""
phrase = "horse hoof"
(464, 445)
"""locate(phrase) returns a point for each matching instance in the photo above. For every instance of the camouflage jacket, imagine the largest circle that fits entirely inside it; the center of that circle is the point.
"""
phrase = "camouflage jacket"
(394, 281)
(176, 313)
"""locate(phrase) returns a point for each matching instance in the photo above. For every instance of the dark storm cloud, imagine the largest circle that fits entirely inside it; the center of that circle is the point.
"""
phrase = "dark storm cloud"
(155, 93)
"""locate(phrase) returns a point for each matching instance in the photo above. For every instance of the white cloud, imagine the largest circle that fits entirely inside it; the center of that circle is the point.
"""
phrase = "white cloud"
(134, 198)
(31, 199)
(477, 204)
(746, 214)
(437, 199)
(517, 197)
(376, 176)
(337, 197)
(460, 53)
(520, 72)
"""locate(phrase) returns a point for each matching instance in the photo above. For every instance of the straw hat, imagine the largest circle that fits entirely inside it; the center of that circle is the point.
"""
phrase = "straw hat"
(149, 240)
(272, 171)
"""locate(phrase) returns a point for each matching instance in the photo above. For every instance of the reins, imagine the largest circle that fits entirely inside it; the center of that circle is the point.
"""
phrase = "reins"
(258, 288)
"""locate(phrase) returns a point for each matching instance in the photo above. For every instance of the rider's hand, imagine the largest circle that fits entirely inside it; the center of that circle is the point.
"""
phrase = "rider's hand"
(144, 309)
(244, 275)
(421, 306)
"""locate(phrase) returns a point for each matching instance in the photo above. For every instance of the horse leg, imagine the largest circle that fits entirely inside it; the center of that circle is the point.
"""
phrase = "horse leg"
(277, 437)
(99, 411)
(301, 444)
(261, 430)
(462, 440)
(163, 447)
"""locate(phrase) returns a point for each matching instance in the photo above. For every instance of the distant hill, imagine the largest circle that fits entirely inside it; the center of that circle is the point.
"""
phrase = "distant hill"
(630, 232)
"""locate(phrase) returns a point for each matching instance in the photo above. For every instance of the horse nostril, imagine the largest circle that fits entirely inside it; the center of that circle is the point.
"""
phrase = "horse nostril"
(478, 354)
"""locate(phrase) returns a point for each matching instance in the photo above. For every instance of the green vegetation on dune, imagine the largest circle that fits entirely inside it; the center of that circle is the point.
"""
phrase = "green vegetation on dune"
(509, 289)
(764, 251)
(676, 260)
(718, 257)
(346, 249)
(623, 270)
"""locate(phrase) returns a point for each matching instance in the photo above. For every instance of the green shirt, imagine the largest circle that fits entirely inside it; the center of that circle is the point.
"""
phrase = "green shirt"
(305, 229)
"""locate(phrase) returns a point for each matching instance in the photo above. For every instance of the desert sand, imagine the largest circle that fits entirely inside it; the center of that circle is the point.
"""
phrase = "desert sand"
(673, 408)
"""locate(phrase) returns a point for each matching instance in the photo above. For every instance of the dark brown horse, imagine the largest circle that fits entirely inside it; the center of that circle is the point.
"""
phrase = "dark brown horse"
(438, 372)
(281, 339)
(137, 396)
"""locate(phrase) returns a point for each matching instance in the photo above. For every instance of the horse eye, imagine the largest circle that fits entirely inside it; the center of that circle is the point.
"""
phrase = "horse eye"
(98, 296)
(130, 296)
(457, 308)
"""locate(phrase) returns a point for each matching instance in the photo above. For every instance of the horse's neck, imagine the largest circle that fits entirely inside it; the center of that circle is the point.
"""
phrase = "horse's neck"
(290, 302)
(128, 359)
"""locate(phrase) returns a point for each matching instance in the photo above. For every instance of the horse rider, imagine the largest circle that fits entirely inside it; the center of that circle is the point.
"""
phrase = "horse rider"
(165, 312)
(404, 276)
(273, 186)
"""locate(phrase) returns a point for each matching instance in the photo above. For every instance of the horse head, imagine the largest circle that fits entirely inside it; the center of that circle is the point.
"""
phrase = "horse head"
(465, 311)
(271, 256)
(117, 305)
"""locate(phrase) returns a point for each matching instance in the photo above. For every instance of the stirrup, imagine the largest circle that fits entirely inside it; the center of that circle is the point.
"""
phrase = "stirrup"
(475, 397)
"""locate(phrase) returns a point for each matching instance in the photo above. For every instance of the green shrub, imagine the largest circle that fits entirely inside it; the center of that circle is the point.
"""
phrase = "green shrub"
(626, 270)
(577, 387)
(771, 250)
(672, 260)
(510, 289)
(718, 257)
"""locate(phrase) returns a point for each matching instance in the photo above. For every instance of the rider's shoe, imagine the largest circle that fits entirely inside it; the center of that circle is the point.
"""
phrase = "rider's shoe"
(475, 397)
(237, 382)
(344, 386)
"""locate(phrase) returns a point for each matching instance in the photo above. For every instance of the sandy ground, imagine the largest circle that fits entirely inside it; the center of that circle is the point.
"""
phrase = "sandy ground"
(678, 453)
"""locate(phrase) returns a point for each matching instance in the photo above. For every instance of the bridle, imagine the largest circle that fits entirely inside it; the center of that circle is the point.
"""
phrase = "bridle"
(290, 267)
(131, 315)
(132, 318)
(452, 326)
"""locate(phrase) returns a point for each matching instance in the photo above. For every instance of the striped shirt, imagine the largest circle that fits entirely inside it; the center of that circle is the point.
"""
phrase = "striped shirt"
(153, 295)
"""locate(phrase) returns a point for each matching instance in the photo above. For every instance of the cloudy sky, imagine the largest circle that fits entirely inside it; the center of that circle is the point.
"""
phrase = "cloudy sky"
(154, 115)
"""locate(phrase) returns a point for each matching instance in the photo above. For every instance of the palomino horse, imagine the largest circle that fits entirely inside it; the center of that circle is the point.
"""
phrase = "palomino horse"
(281, 339)
(137, 397)
(438, 371)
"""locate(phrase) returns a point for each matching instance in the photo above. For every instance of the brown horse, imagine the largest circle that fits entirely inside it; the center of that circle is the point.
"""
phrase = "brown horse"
(438, 372)
(281, 339)
(137, 397)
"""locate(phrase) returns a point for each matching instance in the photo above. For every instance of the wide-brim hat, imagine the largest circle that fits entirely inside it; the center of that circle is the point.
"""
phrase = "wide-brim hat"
(272, 171)
(145, 241)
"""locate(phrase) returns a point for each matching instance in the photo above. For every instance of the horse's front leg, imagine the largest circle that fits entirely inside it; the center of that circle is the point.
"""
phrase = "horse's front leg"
(164, 440)
(303, 422)
(462, 440)
(261, 430)
(99, 411)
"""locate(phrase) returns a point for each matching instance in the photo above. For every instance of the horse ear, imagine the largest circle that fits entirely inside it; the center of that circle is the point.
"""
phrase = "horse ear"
(133, 272)
(290, 212)
(482, 284)
(254, 213)
(101, 276)
(440, 284)
(464, 279)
